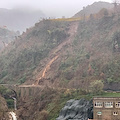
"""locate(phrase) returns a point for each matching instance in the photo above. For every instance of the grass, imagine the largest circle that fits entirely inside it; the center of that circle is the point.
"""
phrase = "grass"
(66, 19)
(110, 94)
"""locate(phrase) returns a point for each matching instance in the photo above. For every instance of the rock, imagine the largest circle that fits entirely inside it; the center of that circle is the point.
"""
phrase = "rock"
(76, 110)
(90, 110)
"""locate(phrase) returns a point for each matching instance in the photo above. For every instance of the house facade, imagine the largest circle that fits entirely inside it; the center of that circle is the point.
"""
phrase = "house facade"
(106, 108)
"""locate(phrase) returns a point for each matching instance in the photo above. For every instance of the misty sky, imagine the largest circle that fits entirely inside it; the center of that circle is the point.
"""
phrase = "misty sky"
(51, 8)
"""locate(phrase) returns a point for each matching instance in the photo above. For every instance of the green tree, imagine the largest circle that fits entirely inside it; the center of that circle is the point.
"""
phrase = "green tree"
(96, 87)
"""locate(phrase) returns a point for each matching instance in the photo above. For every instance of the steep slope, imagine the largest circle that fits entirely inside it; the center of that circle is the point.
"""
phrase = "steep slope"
(25, 54)
(19, 19)
(94, 8)
(64, 57)
(89, 56)
(56, 54)
(64, 54)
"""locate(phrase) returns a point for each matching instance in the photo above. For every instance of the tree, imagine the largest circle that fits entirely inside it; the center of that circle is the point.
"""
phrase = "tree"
(96, 87)
(115, 3)
(43, 115)
(103, 12)
(91, 17)
(116, 41)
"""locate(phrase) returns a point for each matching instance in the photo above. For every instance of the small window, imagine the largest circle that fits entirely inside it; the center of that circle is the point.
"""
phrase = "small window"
(98, 104)
(108, 104)
(99, 113)
(115, 113)
(117, 104)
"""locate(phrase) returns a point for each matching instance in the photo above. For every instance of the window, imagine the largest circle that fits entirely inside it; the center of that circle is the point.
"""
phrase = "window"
(117, 104)
(115, 113)
(98, 104)
(99, 113)
(108, 104)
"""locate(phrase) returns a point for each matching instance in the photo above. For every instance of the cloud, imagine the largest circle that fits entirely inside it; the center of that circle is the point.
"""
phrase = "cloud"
(50, 7)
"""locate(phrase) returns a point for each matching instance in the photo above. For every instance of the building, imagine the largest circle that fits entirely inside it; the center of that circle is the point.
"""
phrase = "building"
(106, 108)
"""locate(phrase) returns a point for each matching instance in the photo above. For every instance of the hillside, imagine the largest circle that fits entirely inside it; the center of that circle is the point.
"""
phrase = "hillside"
(19, 19)
(62, 59)
(6, 36)
(60, 53)
(94, 8)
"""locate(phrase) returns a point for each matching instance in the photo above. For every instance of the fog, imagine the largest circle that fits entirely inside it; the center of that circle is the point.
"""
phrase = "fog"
(51, 8)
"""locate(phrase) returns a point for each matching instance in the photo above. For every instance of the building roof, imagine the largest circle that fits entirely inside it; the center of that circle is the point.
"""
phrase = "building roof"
(95, 98)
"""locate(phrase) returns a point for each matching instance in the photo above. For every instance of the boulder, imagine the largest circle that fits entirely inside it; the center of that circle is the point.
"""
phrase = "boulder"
(76, 110)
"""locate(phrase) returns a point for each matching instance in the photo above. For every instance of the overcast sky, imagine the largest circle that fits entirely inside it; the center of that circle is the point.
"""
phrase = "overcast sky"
(50, 7)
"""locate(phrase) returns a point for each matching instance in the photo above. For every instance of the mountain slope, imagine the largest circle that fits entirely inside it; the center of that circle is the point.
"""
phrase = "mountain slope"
(94, 8)
(30, 48)
(64, 54)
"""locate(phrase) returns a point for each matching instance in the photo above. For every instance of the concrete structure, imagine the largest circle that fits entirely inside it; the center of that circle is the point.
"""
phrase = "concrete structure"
(106, 108)
(24, 91)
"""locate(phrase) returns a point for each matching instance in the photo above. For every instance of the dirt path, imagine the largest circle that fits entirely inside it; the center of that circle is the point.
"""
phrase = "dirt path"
(54, 54)
(72, 31)
(46, 69)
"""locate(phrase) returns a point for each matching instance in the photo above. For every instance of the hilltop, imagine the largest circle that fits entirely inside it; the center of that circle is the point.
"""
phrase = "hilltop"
(94, 8)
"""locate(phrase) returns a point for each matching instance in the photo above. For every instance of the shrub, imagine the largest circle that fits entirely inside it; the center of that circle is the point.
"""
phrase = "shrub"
(22, 80)
(96, 87)
(10, 103)
(43, 115)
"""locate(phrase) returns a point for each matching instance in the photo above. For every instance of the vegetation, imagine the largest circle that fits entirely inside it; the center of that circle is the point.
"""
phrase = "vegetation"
(7, 93)
(10, 103)
(90, 55)
(88, 58)
(51, 101)
(96, 87)
(18, 63)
